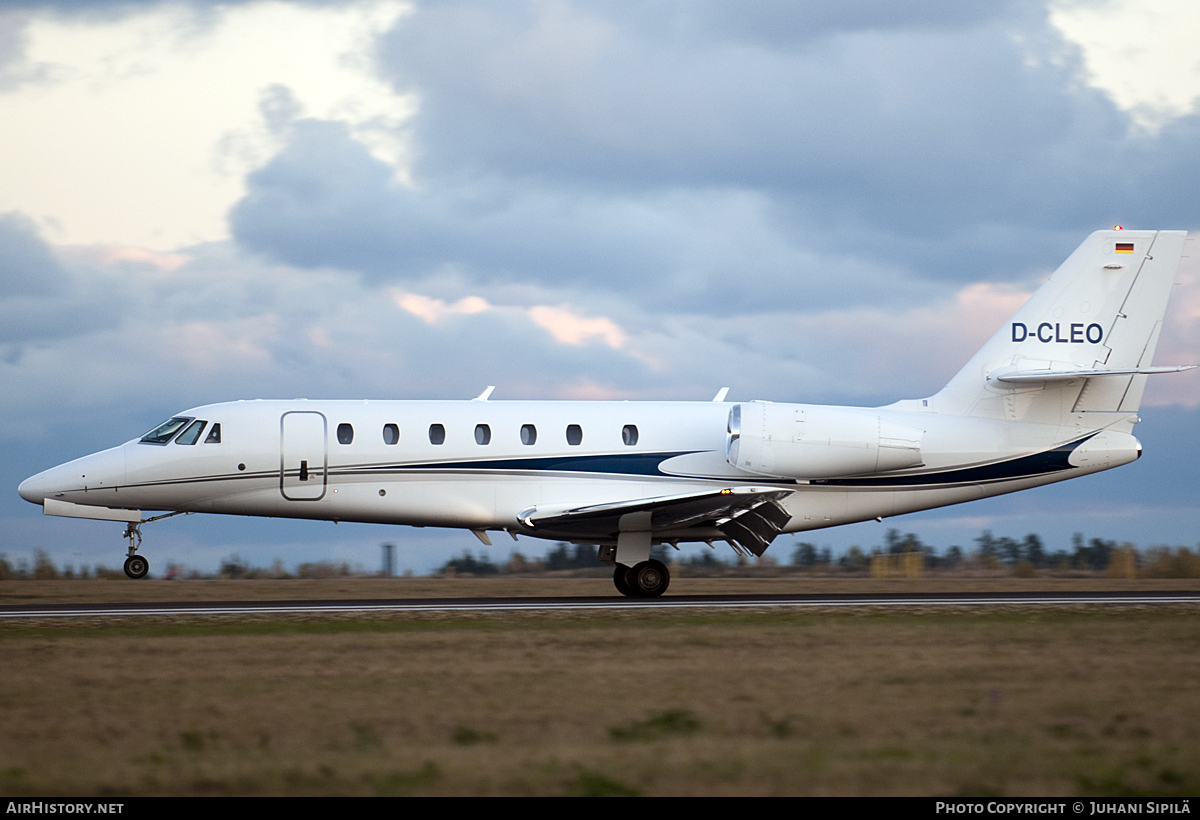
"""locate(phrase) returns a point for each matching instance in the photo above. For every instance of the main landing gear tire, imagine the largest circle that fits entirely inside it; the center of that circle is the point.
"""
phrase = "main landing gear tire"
(136, 566)
(649, 579)
(619, 580)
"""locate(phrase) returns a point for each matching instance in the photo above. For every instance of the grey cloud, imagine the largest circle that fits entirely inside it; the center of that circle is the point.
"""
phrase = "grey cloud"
(280, 108)
(109, 9)
(784, 23)
(12, 50)
(26, 264)
(892, 125)
(15, 16)
(321, 179)
(44, 298)
(571, 95)
(595, 145)
(897, 136)
(25, 320)
(324, 201)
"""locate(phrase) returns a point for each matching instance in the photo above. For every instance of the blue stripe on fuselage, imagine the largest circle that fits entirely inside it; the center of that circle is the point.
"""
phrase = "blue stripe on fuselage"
(1051, 461)
(649, 464)
(613, 463)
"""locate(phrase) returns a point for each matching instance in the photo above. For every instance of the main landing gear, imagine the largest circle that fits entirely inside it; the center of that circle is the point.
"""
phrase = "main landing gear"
(648, 579)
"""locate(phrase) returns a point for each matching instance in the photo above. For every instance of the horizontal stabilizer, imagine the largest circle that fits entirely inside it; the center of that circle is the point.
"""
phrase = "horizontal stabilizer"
(1015, 376)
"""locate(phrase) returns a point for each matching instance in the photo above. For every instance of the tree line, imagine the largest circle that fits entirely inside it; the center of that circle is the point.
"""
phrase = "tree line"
(1027, 555)
(1024, 556)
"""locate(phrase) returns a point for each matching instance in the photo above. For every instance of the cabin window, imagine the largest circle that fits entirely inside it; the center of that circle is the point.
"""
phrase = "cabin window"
(345, 433)
(528, 434)
(574, 434)
(629, 434)
(165, 431)
(437, 434)
(192, 434)
(214, 434)
(391, 434)
(483, 434)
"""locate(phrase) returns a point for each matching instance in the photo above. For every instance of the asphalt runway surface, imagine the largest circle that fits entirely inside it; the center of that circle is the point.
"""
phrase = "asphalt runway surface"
(848, 600)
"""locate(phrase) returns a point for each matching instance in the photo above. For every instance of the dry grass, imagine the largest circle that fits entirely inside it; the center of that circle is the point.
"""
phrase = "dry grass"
(515, 586)
(1054, 702)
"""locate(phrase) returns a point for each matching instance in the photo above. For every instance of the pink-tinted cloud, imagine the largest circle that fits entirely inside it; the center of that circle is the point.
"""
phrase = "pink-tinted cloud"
(561, 321)
(433, 310)
(108, 255)
(570, 328)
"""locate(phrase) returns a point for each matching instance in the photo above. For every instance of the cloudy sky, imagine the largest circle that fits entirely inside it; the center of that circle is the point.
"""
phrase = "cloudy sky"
(828, 203)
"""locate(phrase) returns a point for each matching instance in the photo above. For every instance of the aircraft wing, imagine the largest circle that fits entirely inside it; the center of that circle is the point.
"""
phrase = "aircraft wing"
(749, 517)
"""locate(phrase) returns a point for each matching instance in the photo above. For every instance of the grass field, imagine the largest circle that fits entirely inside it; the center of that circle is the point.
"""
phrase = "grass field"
(1067, 701)
(507, 586)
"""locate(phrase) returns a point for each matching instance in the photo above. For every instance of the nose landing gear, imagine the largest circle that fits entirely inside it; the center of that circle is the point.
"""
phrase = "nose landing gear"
(137, 566)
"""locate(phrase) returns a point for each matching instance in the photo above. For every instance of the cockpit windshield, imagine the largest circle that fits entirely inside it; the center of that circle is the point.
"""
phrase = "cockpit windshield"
(192, 434)
(165, 431)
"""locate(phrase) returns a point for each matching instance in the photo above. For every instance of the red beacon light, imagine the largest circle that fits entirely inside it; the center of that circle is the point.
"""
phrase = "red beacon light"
(1117, 228)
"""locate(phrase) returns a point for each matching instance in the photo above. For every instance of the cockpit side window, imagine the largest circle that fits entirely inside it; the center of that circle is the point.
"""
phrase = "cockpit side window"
(166, 431)
(192, 434)
(214, 434)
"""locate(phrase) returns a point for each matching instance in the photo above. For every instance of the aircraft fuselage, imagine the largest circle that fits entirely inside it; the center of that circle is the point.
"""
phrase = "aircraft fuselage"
(331, 460)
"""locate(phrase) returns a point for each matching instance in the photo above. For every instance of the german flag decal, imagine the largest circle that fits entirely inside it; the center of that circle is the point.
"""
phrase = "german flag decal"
(1124, 247)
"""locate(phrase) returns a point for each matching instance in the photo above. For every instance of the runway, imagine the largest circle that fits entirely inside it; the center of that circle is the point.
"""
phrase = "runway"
(797, 601)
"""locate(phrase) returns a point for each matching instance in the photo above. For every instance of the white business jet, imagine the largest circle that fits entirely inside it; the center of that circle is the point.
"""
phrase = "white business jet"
(1053, 395)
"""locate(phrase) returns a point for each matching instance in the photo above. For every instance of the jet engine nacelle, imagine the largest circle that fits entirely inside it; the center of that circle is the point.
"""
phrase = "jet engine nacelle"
(811, 442)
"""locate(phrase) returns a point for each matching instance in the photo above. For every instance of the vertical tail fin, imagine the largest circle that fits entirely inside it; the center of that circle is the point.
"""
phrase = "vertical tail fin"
(1083, 343)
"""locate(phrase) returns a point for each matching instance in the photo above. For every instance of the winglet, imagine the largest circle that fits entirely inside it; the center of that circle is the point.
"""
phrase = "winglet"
(487, 391)
(721, 394)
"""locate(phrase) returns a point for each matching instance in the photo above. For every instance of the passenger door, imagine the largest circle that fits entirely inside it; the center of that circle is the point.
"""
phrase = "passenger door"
(303, 458)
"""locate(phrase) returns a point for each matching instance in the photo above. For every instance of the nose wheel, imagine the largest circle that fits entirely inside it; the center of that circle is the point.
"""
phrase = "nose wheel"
(136, 566)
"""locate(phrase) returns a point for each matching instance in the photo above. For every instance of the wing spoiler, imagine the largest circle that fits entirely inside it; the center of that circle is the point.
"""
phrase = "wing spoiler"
(749, 517)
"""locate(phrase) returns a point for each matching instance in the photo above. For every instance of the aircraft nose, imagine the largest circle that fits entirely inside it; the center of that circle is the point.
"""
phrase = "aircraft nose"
(100, 470)
(35, 488)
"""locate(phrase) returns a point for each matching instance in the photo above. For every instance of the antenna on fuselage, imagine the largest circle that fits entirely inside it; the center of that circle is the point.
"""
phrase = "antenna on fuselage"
(487, 391)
